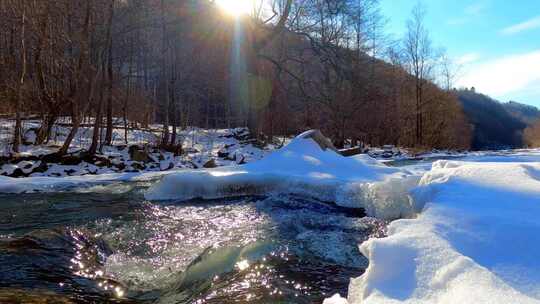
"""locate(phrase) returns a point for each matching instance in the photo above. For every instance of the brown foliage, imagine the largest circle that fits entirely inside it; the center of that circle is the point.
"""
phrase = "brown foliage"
(531, 135)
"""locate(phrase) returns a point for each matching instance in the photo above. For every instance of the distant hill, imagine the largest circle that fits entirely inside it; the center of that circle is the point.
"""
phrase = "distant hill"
(496, 125)
(526, 113)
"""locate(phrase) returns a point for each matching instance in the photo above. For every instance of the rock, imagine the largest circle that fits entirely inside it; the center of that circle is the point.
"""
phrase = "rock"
(240, 159)
(70, 171)
(98, 160)
(351, 151)
(320, 139)
(177, 150)
(231, 157)
(18, 172)
(8, 169)
(210, 164)
(42, 168)
(139, 155)
(138, 166)
(223, 153)
(190, 150)
(164, 166)
(70, 160)
(29, 136)
(51, 158)
(241, 133)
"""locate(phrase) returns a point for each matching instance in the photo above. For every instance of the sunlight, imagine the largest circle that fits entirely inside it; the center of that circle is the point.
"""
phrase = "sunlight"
(236, 8)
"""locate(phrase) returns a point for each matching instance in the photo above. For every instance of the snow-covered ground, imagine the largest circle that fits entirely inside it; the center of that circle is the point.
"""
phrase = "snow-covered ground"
(200, 147)
(476, 238)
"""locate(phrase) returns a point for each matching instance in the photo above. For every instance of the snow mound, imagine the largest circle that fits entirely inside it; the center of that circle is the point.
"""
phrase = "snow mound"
(309, 166)
(476, 241)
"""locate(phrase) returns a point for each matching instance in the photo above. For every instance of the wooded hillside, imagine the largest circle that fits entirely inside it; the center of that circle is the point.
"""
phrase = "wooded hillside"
(291, 66)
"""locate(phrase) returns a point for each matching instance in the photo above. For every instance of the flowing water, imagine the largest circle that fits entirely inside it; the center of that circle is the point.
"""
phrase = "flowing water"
(107, 244)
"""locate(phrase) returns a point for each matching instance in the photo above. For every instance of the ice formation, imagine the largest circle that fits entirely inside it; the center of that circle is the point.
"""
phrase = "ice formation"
(306, 166)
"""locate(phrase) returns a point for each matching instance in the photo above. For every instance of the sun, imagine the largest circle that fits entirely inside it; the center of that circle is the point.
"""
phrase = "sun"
(236, 8)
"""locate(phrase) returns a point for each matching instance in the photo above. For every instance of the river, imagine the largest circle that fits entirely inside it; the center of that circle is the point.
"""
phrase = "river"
(107, 244)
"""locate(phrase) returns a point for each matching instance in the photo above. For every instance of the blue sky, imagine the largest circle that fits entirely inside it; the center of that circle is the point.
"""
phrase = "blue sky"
(496, 42)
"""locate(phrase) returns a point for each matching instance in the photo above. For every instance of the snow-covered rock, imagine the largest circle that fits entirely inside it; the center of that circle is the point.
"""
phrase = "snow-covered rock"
(305, 167)
(477, 240)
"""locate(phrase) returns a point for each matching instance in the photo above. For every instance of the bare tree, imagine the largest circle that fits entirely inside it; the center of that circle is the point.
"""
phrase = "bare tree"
(449, 71)
(420, 62)
(82, 92)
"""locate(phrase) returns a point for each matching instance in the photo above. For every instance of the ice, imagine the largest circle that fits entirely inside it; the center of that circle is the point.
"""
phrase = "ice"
(477, 239)
(303, 167)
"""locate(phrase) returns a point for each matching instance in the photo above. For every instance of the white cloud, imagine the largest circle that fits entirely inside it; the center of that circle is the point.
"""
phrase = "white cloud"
(471, 10)
(475, 8)
(504, 76)
(467, 58)
(530, 24)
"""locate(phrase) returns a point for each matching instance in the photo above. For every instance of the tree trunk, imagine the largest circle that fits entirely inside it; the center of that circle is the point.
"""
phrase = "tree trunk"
(84, 77)
(165, 139)
(128, 93)
(108, 135)
(18, 124)
(97, 122)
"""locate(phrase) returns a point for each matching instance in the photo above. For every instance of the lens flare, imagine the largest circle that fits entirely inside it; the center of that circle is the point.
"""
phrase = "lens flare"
(236, 7)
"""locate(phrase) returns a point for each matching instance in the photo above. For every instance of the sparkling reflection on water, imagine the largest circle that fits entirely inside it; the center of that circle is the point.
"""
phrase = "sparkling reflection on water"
(109, 245)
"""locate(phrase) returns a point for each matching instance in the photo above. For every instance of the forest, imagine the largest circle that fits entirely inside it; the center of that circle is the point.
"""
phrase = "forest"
(286, 67)
(498, 125)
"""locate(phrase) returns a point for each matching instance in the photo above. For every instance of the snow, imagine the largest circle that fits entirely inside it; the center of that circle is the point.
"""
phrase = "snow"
(302, 167)
(199, 145)
(477, 239)
(9, 185)
(468, 230)
(335, 299)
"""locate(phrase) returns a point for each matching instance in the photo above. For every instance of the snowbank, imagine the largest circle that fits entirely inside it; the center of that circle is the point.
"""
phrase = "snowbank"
(305, 166)
(476, 241)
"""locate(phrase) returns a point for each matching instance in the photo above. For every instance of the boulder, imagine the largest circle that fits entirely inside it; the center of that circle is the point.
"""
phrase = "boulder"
(223, 153)
(320, 139)
(18, 172)
(139, 154)
(211, 163)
